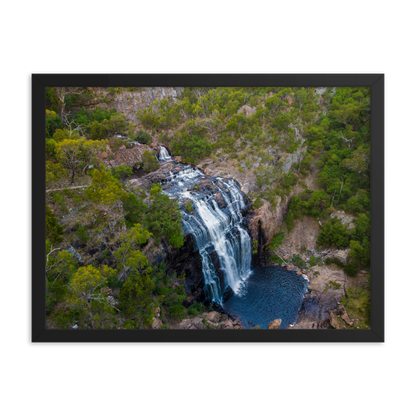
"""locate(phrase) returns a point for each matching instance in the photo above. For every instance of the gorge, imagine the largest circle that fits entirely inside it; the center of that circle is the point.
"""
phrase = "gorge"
(213, 213)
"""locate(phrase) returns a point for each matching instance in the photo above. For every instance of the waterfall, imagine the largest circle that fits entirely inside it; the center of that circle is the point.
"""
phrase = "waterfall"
(164, 155)
(216, 225)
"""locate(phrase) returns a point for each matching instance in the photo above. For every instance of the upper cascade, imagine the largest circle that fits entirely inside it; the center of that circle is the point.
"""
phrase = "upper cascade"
(164, 155)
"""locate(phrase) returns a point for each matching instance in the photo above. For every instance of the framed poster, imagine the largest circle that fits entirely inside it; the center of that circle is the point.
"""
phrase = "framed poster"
(208, 208)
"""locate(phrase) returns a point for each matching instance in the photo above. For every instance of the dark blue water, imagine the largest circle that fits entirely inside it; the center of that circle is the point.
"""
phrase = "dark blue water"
(269, 293)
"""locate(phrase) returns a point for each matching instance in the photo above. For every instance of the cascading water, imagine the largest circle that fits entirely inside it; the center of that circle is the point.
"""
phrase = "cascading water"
(164, 155)
(212, 214)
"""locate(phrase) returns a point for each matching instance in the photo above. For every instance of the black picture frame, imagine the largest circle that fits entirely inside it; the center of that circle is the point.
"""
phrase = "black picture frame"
(41, 81)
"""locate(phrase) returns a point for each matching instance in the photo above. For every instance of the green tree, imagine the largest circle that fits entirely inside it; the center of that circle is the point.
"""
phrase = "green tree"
(360, 162)
(150, 162)
(149, 118)
(99, 131)
(143, 137)
(105, 190)
(84, 286)
(54, 231)
(53, 122)
(135, 210)
(333, 234)
(163, 219)
(122, 172)
(78, 154)
(136, 298)
(361, 252)
(129, 257)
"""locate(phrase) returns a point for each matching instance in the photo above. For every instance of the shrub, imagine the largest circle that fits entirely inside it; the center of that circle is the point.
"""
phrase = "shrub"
(192, 148)
(337, 262)
(82, 234)
(277, 241)
(53, 230)
(150, 163)
(135, 210)
(257, 203)
(333, 234)
(351, 268)
(143, 137)
(122, 172)
(188, 206)
(195, 309)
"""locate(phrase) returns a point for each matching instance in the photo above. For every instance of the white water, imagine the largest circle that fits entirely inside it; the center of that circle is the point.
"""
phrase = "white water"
(164, 155)
(214, 229)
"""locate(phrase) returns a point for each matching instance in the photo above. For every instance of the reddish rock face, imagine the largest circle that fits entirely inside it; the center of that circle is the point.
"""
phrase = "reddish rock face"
(268, 220)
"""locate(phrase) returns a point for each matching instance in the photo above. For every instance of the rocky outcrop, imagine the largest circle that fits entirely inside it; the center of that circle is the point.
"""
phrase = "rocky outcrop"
(333, 320)
(321, 305)
(217, 321)
(74, 254)
(292, 159)
(322, 90)
(247, 110)
(129, 102)
(123, 156)
(275, 324)
(346, 220)
(158, 176)
(266, 221)
(214, 317)
(220, 200)
(342, 255)
(343, 314)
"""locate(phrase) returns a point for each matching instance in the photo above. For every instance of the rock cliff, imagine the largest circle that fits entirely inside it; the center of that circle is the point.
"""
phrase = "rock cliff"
(129, 102)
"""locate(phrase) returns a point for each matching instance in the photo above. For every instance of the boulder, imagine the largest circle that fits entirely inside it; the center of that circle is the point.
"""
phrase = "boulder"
(333, 320)
(134, 183)
(74, 254)
(275, 324)
(342, 255)
(344, 316)
(157, 323)
(198, 324)
(185, 324)
(228, 293)
(214, 317)
(220, 200)
(122, 148)
(228, 324)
